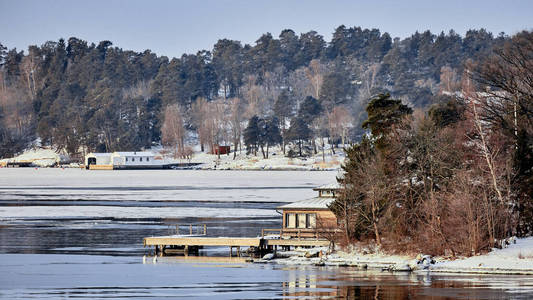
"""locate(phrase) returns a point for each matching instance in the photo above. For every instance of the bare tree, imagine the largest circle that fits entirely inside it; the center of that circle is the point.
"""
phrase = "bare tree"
(173, 130)
(199, 113)
(235, 122)
(449, 81)
(315, 74)
(339, 122)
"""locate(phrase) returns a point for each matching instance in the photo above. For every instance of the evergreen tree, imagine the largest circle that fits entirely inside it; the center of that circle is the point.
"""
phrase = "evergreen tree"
(384, 112)
(299, 132)
(252, 134)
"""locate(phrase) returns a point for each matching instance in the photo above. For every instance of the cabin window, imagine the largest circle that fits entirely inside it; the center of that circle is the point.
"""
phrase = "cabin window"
(301, 221)
(148, 159)
(141, 159)
(133, 159)
(290, 221)
(126, 159)
(310, 220)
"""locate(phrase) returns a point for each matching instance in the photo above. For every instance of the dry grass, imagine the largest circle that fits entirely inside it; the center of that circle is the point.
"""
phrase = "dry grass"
(525, 255)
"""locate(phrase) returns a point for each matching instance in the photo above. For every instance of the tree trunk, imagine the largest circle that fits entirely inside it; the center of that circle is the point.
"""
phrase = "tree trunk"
(375, 223)
(235, 145)
(300, 147)
(323, 151)
(263, 151)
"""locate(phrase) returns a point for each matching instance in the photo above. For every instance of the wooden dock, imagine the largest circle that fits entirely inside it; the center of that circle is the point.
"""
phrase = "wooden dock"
(191, 243)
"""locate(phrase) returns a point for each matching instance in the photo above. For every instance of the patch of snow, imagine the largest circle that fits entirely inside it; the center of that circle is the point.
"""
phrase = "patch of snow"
(515, 259)
(41, 157)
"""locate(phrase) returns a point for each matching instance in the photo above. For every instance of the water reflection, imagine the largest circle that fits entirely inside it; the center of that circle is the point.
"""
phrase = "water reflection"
(357, 284)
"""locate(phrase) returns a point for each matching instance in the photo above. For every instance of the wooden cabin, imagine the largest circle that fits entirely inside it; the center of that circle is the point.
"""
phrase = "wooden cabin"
(218, 149)
(310, 218)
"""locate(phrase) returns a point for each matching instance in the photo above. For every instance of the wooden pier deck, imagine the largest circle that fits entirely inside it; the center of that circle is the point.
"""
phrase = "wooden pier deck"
(195, 238)
(188, 244)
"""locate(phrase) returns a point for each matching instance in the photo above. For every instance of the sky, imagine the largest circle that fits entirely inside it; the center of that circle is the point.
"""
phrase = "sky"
(174, 27)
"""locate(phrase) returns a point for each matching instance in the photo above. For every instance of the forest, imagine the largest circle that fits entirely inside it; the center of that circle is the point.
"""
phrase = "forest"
(293, 90)
(455, 179)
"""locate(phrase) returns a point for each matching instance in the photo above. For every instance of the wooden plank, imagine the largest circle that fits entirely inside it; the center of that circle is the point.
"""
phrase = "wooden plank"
(296, 242)
(100, 167)
(199, 241)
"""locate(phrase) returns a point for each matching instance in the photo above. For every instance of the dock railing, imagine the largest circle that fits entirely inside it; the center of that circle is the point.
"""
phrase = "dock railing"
(187, 229)
(299, 233)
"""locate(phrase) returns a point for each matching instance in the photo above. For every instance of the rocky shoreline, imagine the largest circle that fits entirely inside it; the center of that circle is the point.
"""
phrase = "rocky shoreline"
(515, 259)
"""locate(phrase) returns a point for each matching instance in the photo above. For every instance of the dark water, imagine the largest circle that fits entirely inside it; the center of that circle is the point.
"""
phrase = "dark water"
(103, 258)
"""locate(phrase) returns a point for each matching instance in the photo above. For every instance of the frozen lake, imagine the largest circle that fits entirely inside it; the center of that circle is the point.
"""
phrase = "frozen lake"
(78, 234)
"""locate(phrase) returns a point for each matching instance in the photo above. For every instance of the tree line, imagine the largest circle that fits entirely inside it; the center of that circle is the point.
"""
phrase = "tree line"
(80, 97)
(454, 179)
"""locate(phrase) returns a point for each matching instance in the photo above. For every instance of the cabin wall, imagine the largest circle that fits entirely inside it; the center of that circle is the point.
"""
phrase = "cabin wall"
(100, 160)
(324, 219)
(127, 160)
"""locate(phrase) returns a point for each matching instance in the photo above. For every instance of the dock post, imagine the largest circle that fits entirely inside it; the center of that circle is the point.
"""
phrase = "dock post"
(205, 229)
(238, 251)
(190, 229)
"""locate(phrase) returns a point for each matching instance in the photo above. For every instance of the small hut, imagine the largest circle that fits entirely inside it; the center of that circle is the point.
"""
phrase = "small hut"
(307, 218)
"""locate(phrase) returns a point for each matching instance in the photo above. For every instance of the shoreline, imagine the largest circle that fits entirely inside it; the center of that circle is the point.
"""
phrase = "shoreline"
(515, 259)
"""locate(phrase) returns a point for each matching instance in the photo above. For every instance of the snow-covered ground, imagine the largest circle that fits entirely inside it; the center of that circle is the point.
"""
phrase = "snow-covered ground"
(276, 161)
(42, 157)
(516, 258)
(46, 157)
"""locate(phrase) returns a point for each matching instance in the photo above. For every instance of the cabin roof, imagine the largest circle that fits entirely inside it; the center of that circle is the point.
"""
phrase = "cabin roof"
(99, 154)
(134, 153)
(331, 186)
(313, 203)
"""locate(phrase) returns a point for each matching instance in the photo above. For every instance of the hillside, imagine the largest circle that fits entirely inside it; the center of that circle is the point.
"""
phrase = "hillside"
(80, 96)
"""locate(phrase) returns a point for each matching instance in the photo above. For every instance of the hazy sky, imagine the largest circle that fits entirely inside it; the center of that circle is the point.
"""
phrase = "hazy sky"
(175, 27)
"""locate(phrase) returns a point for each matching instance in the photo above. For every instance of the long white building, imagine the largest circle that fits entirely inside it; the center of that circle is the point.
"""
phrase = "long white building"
(122, 160)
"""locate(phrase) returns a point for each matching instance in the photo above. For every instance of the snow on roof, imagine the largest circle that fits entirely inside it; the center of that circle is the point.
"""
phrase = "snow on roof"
(331, 186)
(99, 154)
(313, 203)
(134, 153)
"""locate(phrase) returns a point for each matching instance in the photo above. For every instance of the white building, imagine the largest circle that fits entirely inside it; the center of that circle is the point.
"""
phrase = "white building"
(98, 159)
(133, 159)
(121, 160)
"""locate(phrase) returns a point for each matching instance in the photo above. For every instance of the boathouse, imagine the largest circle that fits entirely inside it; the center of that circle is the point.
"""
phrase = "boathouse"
(120, 160)
(307, 218)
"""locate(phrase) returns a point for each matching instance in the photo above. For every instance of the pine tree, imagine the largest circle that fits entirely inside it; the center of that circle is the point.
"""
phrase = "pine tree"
(252, 135)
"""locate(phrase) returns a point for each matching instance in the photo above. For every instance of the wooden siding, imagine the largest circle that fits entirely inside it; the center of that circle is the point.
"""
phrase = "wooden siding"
(325, 218)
